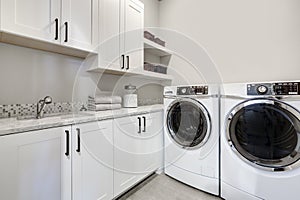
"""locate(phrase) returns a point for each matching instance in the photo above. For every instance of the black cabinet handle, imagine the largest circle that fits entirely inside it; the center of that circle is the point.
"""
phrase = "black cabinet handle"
(67, 142)
(127, 62)
(123, 61)
(66, 36)
(140, 125)
(56, 29)
(144, 124)
(78, 140)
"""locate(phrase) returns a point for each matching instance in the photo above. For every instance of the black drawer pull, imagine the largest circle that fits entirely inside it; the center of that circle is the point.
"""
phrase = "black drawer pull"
(78, 140)
(140, 125)
(127, 62)
(66, 36)
(67, 142)
(144, 124)
(56, 29)
(123, 61)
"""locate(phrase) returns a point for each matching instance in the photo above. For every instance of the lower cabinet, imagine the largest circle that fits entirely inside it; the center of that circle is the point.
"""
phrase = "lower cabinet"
(36, 165)
(97, 160)
(138, 146)
(92, 161)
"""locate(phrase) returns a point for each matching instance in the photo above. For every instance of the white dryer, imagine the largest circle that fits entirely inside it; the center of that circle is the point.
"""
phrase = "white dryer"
(260, 141)
(192, 135)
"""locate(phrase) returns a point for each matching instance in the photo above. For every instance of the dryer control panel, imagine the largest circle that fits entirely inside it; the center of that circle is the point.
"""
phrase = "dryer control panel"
(282, 88)
(192, 90)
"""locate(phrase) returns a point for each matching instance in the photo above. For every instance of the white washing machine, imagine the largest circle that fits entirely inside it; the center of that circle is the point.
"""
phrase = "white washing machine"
(260, 141)
(192, 135)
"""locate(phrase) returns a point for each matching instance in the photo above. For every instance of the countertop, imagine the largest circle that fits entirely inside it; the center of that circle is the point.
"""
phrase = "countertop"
(13, 125)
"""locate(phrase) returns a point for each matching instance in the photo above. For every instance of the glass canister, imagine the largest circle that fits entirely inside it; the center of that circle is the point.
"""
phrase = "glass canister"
(130, 97)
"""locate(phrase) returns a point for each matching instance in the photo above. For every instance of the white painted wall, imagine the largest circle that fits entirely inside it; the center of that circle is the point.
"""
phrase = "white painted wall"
(249, 40)
(28, 75)
(151, 18)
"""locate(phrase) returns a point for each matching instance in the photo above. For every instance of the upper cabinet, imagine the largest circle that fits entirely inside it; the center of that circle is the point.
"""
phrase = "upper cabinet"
(79, 24)
(132, 30)
(121, 24)
(36, 19)
(71, 23)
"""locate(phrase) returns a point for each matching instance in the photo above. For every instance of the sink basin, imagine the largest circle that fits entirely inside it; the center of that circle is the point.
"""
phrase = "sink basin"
(54, 116)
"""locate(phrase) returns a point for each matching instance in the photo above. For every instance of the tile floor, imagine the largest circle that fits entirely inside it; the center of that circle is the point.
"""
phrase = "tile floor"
(162, 187)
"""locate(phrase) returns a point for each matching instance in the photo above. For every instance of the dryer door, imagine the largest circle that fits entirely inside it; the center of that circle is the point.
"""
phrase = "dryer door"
(265, 132)
(188, 123)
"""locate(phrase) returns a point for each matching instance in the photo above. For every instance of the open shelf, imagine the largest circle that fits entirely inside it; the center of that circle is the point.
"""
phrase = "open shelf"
(142, 74)
(156, 49)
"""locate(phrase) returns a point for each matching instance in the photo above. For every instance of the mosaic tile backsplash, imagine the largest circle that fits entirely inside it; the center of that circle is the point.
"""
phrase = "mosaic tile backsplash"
(16, 110)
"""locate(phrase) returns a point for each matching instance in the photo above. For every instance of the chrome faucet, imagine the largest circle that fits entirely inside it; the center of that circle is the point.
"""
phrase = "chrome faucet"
(41, 105)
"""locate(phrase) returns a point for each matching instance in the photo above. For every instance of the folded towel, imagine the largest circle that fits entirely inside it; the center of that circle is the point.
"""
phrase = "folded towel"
(99, 107)
(105, 99)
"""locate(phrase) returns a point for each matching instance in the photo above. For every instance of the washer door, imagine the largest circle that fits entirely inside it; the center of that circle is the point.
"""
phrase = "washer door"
(265, 132)
(188, 123)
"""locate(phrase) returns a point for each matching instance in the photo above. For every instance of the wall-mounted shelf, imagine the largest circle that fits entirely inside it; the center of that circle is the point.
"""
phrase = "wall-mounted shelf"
(156, 49)
(143, 74)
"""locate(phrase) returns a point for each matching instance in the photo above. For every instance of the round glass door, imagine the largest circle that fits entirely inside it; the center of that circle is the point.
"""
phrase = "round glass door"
(188, 123)
(265, 132)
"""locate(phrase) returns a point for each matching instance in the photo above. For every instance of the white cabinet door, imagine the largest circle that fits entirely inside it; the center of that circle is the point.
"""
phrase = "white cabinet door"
(36, 165)
(79, 24)
(109, 38)
(92, 162)
(132, 25)
(121, 24)
(155, 145)
(127, 168)
(138, 143)
(38, 19)
(152, 134)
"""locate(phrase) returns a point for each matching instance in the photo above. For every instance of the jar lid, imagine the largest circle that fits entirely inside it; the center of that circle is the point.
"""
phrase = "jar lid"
(130, 87)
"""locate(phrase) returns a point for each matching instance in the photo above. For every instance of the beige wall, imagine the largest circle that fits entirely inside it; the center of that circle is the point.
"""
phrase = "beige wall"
(249, 40)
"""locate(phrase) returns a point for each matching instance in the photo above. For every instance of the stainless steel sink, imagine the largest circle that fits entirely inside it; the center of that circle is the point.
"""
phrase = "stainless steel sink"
(54, 116)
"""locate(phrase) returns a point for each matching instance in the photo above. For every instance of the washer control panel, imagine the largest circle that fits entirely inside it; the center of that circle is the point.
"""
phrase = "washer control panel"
(192, 90)
(284, 88)
(290, 88)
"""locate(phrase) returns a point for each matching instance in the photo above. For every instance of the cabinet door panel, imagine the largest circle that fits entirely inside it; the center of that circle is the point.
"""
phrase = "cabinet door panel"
(134, 27)
(136, 153)
(92, 166)
(34, 166)
(82, 19)
(31, 18)
(127, 167)
(154, 146)
(109, 38)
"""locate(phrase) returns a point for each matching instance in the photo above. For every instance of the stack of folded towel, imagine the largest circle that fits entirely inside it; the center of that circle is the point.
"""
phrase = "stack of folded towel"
(99, 103)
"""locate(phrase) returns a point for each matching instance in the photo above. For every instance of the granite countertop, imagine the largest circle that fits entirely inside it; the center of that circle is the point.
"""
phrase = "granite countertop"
(13, 125)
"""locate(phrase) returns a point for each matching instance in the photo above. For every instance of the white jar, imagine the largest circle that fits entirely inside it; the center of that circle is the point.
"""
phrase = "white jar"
(130, 98)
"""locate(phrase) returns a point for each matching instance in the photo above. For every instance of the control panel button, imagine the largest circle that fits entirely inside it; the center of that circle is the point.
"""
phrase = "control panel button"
(262, 89)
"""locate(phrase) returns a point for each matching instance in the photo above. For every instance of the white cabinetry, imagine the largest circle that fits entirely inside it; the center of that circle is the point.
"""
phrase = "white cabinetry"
(132, 30)
(138, 143)
(36, 165)
(31, 18)
(92, 163)
(121, 24)
(69, 23)
(80, 24)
